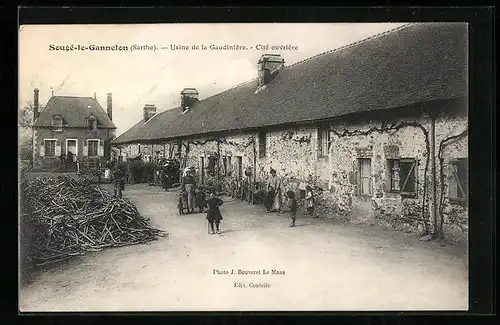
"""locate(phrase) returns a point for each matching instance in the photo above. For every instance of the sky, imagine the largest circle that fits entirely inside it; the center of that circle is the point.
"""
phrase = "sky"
(136, 78)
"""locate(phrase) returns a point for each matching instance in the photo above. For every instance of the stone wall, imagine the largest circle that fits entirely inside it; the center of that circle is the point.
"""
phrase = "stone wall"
(401, 138)
(293, 153)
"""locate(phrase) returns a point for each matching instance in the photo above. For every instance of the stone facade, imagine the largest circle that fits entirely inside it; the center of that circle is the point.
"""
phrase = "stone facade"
(81, 135)
(337, 175)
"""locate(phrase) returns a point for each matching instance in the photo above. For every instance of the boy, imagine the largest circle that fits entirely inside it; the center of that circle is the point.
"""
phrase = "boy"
(201, 199)
(291, 207)
(213, 214)
(117, 178)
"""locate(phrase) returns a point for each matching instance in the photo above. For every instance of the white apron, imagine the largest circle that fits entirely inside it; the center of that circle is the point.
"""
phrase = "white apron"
(107, 173)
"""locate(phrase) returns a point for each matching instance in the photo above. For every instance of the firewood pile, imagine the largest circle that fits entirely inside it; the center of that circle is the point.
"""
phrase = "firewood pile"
(62, 217)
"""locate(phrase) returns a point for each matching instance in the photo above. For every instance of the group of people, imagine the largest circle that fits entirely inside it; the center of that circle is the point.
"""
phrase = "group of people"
(273, 199)
(167, 172)
(192, 196)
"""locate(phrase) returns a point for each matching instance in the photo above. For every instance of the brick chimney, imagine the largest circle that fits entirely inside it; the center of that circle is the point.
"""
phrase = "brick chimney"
(149, 112)
(269, 65)
(189, 96)
(36, 113)
(110, 106)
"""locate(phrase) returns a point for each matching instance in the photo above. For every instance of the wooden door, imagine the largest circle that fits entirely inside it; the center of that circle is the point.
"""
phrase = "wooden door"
(365, 171)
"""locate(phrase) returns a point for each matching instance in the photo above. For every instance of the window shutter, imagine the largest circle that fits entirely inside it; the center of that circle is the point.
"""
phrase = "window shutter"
(85, 148)
(42, 150)
(58, 148)
(100, 149)
(406, 177)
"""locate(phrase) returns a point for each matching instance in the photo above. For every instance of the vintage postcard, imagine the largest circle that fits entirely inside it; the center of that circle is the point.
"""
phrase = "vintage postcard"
(243, 167)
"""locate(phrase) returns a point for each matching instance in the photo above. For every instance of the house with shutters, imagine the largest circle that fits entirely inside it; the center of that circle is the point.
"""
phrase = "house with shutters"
(378, 128)
(71, 124)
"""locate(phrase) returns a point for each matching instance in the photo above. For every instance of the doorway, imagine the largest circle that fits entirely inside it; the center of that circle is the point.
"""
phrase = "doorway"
(71, 147)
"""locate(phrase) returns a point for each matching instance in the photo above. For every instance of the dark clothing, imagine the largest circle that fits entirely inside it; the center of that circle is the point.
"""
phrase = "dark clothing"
(189, 179)
(269, 200)
(118, 178)
(201, 201)
(292, 206)
(213, 213)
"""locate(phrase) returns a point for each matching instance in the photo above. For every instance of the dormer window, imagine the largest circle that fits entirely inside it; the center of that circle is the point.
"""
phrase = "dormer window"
(57, 122)
(92, 123)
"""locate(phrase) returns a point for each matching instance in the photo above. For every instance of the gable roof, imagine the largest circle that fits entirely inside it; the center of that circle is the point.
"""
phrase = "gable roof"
(411, 64)
(74, 111)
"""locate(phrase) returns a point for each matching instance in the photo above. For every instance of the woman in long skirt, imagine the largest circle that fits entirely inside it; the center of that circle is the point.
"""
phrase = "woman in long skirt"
(273, 193)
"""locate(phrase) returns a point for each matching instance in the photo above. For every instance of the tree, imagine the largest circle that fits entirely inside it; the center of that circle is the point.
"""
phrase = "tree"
(25, 127)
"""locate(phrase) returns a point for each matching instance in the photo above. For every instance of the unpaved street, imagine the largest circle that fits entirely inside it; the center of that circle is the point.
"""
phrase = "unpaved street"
(328, 266)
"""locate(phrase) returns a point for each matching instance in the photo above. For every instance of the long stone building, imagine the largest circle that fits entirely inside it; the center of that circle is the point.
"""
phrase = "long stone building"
(378, 127)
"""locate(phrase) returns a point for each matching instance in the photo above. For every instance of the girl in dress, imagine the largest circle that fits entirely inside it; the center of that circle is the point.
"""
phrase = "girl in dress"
(213, 214)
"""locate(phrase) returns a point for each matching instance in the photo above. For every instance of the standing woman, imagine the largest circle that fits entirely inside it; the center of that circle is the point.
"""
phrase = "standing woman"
(274, 193)
(189, 183)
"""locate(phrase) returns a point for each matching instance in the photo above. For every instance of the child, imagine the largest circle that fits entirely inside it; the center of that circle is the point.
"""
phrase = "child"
(201, 199)
(117, 178)
(292, 207)
(309, 200)
(182, 201)
(213, 214)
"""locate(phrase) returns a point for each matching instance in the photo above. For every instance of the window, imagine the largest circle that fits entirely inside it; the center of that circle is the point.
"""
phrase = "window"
(458, 182)
(212, 165)
(262, 144)
(92, 123)
(402, 176)
(50, 148)
(323, 142)
(365, 176)
(57, 122)
(93, 148)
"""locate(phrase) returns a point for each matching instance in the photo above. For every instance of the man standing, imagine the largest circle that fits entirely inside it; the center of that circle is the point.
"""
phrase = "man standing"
(189, 183)
(117, 176)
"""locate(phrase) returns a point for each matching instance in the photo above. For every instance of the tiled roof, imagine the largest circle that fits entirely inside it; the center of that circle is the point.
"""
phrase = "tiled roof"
(412, 64)
(74, 111)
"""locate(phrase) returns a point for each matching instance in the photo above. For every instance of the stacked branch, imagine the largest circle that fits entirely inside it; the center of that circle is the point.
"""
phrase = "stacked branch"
(64, 217)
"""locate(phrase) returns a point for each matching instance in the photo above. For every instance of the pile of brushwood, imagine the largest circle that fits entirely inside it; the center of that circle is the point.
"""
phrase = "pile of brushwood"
(63, 217)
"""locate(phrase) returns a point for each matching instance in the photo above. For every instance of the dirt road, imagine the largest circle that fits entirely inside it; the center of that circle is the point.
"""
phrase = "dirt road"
(322, 265)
